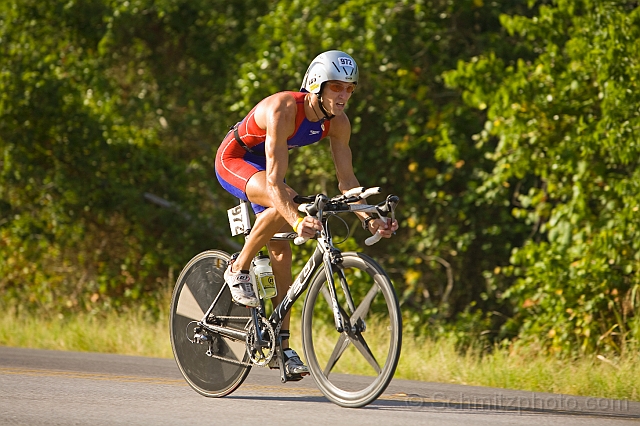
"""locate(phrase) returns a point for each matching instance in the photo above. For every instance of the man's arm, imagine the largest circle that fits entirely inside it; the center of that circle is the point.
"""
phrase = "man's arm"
(278, 117)
(340, 134)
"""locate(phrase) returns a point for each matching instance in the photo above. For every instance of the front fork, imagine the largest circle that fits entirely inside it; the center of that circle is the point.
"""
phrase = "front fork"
(332, 259)
(328, 271)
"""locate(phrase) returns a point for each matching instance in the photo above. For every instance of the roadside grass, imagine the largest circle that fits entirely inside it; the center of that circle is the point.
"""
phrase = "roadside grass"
(128, 334)
(521, 368)
(426, 359)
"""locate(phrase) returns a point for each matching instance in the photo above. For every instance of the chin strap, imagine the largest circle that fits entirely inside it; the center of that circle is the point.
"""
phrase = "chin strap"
(324, 111)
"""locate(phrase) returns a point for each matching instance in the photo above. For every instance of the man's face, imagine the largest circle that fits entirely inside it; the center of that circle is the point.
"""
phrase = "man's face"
(335, 95)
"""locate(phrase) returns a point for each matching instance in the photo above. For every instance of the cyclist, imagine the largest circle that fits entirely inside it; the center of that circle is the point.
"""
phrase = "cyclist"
(252, 161)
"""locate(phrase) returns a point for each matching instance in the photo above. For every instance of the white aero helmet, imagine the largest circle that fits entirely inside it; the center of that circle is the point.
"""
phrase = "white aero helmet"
(330, 65)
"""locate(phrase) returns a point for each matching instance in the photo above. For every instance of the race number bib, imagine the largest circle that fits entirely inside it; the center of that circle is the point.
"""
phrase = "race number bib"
(239, 219)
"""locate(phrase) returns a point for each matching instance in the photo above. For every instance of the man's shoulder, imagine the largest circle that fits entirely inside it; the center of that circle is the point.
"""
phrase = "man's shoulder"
(282, 106)
(341, 123)
(281, 101)
(284, 98)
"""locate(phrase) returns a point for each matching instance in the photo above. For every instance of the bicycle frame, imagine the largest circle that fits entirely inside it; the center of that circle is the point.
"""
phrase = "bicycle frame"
(325, 254)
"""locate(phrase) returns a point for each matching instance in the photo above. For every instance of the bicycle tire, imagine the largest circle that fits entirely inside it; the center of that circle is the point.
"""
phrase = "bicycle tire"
(374, 351)
(196, 288)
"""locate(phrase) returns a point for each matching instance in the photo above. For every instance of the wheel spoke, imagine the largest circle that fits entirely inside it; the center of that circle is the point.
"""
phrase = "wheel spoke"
(338, 350)
(353, 337)
(363, 309)
(356, 338)
(361, 344)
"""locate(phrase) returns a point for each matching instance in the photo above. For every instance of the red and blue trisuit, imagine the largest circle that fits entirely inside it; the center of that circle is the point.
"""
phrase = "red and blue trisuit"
(241, 153)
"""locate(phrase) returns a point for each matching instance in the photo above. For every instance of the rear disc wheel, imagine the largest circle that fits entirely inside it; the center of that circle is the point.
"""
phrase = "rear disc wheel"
(196, 288)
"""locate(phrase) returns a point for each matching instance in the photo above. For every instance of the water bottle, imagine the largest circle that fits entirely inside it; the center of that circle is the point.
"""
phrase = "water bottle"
(265, 280)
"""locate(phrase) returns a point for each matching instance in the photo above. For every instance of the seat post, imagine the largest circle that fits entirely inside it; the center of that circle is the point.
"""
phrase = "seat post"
(246, 218)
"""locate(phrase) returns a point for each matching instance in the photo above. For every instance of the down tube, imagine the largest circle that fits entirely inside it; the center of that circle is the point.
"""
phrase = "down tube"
(297, 288)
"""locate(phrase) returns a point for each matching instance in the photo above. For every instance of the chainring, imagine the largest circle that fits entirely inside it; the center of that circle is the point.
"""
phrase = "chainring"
(261, 356)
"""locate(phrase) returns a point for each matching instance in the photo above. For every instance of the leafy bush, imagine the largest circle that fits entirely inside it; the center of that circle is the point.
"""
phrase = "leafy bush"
(565, 126)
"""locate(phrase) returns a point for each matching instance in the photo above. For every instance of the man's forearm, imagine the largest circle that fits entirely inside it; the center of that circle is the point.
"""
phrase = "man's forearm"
(283, 203)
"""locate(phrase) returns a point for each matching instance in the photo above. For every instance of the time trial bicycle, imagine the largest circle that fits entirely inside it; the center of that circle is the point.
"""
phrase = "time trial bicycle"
(351, 321)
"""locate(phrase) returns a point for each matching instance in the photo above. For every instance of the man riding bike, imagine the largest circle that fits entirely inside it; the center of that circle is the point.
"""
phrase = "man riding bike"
(252, 161)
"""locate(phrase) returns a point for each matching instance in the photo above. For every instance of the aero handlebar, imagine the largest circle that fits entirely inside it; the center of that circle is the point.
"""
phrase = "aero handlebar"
(320, 206)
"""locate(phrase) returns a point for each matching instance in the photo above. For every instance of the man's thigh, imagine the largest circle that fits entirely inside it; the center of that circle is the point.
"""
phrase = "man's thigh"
(256, 190)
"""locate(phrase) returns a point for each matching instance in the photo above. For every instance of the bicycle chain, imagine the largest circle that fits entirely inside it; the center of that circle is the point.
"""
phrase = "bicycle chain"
(232, 318)
(209, 353)
(233, 361)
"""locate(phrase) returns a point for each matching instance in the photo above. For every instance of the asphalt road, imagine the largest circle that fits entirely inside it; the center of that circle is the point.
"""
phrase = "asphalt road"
(70, 388)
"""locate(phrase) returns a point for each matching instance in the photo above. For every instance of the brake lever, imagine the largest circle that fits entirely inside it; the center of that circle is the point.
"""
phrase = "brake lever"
(393, 203)
(384, 208)
(314, 209)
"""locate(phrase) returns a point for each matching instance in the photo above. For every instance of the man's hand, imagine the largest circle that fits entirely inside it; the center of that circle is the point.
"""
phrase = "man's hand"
(386, 228)
(308, 227)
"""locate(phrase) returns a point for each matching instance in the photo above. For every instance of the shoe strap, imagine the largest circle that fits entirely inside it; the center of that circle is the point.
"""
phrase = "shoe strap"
(290, 353)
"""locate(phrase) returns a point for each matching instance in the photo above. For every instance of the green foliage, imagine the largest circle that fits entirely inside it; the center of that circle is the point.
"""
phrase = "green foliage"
(93, 124)
(564, 125)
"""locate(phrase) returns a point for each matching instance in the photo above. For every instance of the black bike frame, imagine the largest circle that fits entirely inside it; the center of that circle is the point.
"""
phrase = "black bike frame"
(325, 254)
(298, 287)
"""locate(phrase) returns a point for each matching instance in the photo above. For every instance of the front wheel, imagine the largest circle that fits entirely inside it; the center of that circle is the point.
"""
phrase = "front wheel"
(370, 344)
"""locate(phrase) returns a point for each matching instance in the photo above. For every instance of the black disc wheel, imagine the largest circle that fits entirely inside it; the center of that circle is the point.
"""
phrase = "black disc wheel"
(212, 364)
(369, 346)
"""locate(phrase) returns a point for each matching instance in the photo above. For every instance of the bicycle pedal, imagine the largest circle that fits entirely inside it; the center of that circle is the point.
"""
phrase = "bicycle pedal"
(296, 377)
(274, 364)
